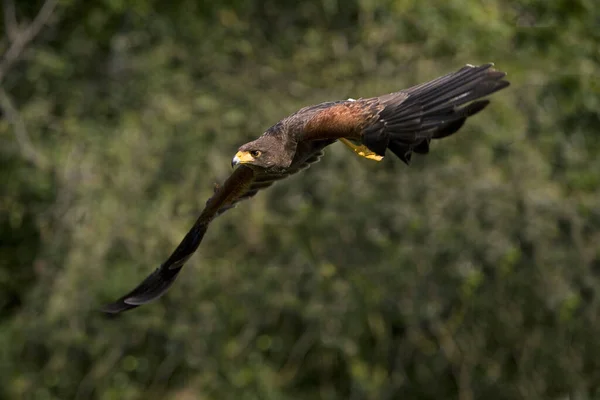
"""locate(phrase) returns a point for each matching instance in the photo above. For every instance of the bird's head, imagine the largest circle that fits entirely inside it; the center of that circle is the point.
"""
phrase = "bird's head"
(268, 152)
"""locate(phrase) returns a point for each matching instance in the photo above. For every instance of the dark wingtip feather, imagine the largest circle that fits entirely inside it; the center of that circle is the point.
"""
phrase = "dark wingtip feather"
(422, 147)
(401, 151)
(438, 108)
(475, 107)
(449, 128)
(116, 308)
(154, 286)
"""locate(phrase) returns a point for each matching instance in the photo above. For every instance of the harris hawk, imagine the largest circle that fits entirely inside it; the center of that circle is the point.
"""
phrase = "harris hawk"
(402, 122)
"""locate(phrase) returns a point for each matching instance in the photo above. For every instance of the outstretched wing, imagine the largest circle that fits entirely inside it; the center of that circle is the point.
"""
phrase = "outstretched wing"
(242, 184)
(406, 121)
(162, 278)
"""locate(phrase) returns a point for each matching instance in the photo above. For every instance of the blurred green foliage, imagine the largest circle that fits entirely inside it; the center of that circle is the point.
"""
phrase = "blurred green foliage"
(472, 274)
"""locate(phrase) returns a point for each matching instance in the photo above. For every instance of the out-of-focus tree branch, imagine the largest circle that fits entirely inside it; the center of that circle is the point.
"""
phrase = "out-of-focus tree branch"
(10, 19)
(20, 38)
(27, 148)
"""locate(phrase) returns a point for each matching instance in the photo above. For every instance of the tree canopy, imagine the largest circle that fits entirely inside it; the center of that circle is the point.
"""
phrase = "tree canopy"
(473, 273)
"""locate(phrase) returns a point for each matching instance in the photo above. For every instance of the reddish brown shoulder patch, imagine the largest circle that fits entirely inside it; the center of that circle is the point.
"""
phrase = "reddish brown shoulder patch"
(341, 120)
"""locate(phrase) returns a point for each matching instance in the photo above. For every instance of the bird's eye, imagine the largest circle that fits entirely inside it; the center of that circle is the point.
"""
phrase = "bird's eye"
(255, 153)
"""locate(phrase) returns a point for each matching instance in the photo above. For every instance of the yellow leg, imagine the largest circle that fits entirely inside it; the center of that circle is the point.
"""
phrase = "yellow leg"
(362, 150)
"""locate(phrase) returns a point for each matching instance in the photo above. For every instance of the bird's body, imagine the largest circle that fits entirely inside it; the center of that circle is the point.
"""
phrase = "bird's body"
(402, 122)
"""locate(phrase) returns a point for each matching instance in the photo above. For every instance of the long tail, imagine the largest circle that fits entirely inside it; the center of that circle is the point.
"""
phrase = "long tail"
(413, 117)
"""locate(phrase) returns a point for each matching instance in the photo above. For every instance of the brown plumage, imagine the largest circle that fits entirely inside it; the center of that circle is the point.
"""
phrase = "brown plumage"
(403, 122)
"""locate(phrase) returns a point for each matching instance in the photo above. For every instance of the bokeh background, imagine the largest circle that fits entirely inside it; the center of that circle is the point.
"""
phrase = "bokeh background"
(471, 274)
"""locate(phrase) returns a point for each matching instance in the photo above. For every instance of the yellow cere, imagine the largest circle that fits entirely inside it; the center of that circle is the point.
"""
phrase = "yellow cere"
(244, 157)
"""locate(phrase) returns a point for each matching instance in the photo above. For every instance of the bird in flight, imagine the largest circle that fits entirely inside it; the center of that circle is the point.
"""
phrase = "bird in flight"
(403, 122)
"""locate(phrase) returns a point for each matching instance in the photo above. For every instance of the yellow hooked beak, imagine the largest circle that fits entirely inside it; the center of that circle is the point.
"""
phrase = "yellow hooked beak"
(241, 157)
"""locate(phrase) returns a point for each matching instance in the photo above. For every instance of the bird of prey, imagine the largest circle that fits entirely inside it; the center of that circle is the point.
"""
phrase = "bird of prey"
(402, 122)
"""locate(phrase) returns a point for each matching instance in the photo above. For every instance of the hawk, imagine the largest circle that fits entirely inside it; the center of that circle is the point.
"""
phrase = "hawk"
(404, 122)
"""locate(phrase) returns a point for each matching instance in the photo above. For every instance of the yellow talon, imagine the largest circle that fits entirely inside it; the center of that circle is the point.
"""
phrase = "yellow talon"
(362, 150)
